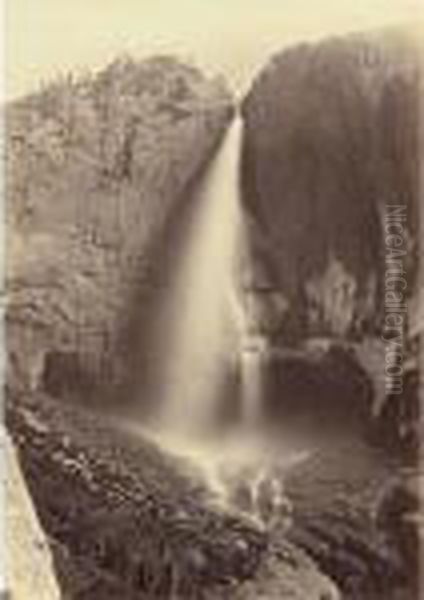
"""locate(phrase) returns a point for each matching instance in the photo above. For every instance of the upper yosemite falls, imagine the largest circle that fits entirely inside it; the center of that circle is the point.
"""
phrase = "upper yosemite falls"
(212, 357)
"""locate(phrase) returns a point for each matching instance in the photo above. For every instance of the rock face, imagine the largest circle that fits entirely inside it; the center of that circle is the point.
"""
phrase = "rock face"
(95, 169)
(331, 140)
(29, 565)
(330, 148)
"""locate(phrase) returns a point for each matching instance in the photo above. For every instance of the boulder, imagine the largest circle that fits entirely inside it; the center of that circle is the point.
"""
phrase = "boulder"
(325, 392)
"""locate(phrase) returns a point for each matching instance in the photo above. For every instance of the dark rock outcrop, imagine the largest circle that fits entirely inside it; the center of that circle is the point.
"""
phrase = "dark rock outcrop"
(397, 514)
(331, 140)
(327, 391)
(331, 146)
(95, 169)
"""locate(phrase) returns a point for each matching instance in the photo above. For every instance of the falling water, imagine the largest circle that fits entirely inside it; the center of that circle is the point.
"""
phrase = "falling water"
(197, 332)
(204, 331)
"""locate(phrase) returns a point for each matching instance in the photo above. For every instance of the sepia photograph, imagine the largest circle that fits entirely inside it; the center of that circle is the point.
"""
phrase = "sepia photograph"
(212, 300)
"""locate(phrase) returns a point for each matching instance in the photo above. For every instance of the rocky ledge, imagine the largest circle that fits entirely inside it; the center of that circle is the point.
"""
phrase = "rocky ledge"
(124, 519)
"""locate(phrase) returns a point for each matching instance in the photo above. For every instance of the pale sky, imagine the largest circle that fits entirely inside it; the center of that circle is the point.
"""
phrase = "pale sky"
(47, 37)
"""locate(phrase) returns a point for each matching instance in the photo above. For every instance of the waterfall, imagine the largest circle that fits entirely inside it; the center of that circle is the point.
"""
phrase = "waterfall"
(207, 326)
(197, 333)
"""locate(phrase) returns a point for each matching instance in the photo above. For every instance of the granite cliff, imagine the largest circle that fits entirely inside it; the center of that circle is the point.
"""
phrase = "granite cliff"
(331, 148)
(96, 167)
